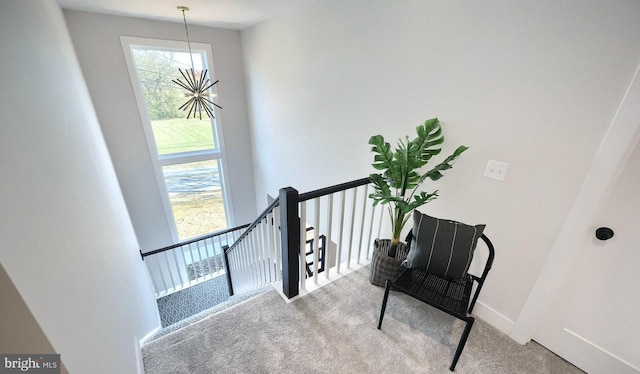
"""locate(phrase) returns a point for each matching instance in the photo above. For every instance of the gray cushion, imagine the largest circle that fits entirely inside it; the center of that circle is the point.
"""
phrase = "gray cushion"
(442, 247)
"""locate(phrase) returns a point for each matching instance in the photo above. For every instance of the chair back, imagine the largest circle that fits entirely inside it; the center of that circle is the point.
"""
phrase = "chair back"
(489, 263)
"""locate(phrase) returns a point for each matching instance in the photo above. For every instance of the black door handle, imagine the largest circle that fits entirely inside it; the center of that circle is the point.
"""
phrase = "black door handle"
(604, 233)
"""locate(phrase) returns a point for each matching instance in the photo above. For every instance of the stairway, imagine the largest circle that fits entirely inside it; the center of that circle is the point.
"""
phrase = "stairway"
(229, 302)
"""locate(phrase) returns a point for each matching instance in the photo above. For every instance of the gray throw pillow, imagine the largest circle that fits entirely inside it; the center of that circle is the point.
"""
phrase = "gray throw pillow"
(442, 247)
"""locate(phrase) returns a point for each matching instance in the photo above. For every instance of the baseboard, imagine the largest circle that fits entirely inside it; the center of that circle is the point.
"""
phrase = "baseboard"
(493, 317)
(600, 359)
(138, 348)
(142, 341)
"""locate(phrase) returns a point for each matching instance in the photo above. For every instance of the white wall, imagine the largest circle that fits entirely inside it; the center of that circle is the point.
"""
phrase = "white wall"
(96, 38)
(534, 84)
(67, 241)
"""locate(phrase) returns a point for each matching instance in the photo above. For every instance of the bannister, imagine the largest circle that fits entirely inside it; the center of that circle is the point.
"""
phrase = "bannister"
(353, 212)
(190, 262)
(255, 258)
(273, 247)
(333, 189)
(255, 223)
(279, 244)
(190, 241)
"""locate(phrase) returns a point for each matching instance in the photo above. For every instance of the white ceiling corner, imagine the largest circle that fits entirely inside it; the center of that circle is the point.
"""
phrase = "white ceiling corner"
(232, 14)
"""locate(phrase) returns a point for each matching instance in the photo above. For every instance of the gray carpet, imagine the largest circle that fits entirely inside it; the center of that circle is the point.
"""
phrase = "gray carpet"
(192, 300)
(334, 330)
(231, 301)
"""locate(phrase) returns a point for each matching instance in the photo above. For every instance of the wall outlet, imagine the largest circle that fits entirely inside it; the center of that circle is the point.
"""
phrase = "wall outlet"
(496, 170)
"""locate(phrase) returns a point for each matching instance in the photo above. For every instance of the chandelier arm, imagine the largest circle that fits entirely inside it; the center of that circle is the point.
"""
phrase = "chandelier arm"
(209, 86)
(194, 103)
(179, 83)
(185, 75)
(187, 103)
(200, 109)
(218, 106)
(194, 82)
(202, 80)
(208, 110)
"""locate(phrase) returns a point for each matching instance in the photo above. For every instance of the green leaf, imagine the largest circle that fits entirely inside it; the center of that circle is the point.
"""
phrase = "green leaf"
(384, 156)
(434, 174)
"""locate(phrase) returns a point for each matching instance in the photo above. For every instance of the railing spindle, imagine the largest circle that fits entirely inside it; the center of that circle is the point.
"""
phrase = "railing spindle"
(272, 245)
(257, 249)
(276, 241)
(203, 260)
(173, 282)
(303, 244)
(193, 265)
(316, 240)
(219, 255)
(327, 266)
(164, 282)
(343, 196)
(353, 217)
(175, 259)
(364, 211)
(268, 250)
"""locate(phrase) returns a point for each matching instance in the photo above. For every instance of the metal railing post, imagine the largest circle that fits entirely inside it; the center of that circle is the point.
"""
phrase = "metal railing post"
(227, 269)
(290, 238)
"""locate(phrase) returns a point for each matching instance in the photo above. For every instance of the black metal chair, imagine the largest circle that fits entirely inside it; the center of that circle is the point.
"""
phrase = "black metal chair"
(450, 296)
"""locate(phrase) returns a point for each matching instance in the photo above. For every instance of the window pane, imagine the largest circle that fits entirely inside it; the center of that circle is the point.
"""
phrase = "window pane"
(173, 133)
(196, 198)
(182, 135)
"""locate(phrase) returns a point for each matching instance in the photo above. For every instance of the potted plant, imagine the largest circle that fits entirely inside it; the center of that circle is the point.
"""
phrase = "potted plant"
(401, 173)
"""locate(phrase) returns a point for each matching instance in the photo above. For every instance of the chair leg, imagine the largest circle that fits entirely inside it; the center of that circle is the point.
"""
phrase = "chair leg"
(463, 341)
(384, 303)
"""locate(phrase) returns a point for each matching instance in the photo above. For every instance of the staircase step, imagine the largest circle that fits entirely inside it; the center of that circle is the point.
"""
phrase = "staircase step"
(233, 300)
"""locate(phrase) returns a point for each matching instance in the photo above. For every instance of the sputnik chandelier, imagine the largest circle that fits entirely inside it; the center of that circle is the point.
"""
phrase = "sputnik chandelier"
(196, 86)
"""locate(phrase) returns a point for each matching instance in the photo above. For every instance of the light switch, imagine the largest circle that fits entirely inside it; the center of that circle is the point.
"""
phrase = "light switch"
(496, 170)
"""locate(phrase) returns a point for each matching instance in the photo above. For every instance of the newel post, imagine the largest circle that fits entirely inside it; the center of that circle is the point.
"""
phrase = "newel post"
(290, 238)
(227, 269)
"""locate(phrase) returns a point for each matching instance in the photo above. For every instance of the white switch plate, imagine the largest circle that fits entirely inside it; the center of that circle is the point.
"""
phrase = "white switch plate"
(496, 170)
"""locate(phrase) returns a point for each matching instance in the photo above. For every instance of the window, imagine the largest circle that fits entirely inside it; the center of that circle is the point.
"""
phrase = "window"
(187, 154)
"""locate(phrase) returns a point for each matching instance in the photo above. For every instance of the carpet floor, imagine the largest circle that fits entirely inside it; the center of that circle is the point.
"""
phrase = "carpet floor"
(333, 330)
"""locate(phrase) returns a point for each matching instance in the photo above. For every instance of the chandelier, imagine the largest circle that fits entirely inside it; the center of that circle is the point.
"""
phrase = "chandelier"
(197, 86)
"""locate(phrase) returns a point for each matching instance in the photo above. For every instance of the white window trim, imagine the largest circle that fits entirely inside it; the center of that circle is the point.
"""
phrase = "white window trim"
(158, 161)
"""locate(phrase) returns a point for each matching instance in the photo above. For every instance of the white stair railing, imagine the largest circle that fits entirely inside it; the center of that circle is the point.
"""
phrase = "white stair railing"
(185, 264)
(300, 238)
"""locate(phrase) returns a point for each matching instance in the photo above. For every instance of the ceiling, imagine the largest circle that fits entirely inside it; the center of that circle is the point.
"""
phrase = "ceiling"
(231, 14)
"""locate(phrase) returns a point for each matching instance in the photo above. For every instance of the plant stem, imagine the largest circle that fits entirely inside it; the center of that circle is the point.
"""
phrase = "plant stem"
(397, 221)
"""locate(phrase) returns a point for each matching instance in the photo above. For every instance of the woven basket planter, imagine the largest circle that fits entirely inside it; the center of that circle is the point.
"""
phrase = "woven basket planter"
(383, 267)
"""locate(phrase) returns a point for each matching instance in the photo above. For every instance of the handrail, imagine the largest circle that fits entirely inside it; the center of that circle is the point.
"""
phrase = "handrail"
(302, 197)
(255, 223)
(333, 189)
(196, 239)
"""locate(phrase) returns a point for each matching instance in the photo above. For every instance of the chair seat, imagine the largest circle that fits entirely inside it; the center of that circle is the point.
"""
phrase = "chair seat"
(451, 296)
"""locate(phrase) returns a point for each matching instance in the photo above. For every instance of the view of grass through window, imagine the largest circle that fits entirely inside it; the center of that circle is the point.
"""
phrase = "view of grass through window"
(194, 187)
(182, 135)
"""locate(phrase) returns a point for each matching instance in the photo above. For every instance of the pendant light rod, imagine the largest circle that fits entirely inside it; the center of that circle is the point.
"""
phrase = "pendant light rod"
(183, 9)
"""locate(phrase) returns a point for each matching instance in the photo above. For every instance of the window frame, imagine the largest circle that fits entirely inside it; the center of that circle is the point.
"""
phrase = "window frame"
(157, 160)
